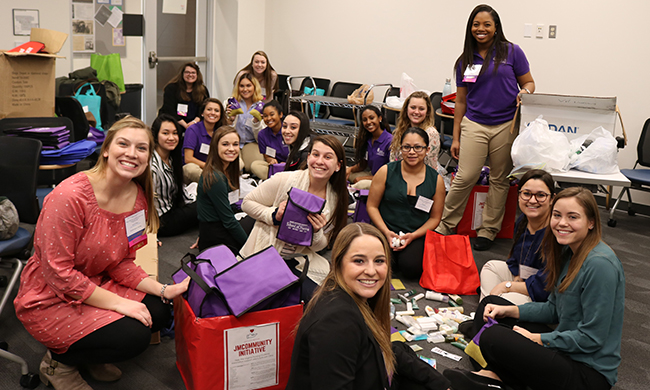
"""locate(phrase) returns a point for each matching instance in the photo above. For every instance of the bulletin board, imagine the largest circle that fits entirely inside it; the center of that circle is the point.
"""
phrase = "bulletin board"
(97, 27)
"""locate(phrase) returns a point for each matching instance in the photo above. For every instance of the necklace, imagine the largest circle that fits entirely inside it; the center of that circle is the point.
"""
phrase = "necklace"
(522, 259)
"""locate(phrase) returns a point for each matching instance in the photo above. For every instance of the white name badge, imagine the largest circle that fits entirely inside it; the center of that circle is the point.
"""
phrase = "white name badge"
(366, 158)
(181, 109)
(471, 73)
(424, 204)
(233, 196)
(205, 149)
(526, 272)
(134, 225)
(86, 110)
(270, 152)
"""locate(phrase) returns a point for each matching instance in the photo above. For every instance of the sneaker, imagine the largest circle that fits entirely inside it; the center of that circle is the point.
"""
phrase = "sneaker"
(482, 244)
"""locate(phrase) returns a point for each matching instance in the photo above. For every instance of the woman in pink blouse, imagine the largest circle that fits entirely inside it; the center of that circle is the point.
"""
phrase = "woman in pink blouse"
(80, 294)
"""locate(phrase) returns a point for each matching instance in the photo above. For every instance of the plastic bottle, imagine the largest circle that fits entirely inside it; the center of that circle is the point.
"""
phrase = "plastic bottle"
(446, 90)
(434, 296)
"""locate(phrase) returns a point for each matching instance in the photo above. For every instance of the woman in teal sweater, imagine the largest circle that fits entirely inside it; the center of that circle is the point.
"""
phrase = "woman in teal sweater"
(587, 299)
(218, 189)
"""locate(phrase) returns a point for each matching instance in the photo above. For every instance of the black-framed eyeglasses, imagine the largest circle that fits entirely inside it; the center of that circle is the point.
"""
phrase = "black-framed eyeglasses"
(417, 148)
(540, 196)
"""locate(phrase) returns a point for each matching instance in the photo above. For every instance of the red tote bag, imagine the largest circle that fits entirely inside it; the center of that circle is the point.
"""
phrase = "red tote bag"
(249, 352)
(449, 265)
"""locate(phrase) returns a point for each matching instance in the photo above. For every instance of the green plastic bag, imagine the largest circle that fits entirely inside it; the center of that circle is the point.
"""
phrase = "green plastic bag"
(108, 68)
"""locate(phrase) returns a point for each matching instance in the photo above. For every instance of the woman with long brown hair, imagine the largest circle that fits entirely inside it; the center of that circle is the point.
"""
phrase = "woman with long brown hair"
(184, 94)
(587, 300)
(343, 339)
(266, 76)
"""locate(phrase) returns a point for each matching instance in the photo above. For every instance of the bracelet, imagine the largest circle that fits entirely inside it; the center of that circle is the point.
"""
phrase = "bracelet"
(527, 90)
(162, 294)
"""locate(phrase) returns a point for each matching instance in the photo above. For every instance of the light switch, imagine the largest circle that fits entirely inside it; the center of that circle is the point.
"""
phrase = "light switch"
(528, 30)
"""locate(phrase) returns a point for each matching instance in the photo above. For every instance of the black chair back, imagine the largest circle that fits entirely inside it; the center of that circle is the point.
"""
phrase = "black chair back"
(436, 99)
(343, 89)
(69, 107)
(391, 116)
(643, 148)
(18, 174)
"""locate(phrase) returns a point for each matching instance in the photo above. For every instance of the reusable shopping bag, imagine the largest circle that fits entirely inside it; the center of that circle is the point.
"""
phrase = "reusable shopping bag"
(295, 228)
(473, 349)
(315, 107)
(109, 67)
(360, 212)
(449, 265)
(275, 168)
(90, 101)
(212, 352)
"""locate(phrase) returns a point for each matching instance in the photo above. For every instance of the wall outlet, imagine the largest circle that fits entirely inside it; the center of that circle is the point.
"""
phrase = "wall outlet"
(552, 31)
(540, 31)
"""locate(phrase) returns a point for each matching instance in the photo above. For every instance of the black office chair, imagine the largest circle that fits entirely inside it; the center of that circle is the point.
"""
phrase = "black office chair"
(342, 89)
(323, 84)
(640, 178)
(18, 172)
(390, 115)
(445, 127)
(69, 107)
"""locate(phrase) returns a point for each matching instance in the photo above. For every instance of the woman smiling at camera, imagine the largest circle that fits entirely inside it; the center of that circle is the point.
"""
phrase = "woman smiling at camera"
(587, 300)
(343, 339)
(196, 143)
(407, 196)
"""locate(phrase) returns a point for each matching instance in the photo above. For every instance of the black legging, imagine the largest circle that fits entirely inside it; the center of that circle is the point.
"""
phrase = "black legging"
(409, 260)
(214, 233)
(120, 340)
(521, 362)
(178, 220)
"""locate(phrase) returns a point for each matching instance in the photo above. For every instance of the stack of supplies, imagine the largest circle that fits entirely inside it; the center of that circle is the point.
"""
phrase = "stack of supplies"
(70, 154)
(50, 137)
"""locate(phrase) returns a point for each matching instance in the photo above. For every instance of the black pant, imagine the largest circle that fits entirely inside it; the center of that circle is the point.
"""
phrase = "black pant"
(308, 285)
(178, 220)
(214, 233)
(118, 341)
(521, 362)
(409, 260)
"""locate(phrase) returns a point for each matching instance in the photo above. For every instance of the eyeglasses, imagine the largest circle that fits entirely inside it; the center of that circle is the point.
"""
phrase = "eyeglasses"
(527, 195)
(417, 148)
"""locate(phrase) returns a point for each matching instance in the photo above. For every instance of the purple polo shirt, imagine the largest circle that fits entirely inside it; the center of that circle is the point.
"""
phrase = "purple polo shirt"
(492, 99)
(195, 136)
(378, 153)
(266, 138)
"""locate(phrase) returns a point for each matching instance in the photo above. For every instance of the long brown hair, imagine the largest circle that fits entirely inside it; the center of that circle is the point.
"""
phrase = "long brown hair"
(267, 75)
(404, 122)
(552, 250)
(222, 116)
(214, 163)
(199, 91)
(145, 180)
(338, 182)
(375, 311)
(257, 90)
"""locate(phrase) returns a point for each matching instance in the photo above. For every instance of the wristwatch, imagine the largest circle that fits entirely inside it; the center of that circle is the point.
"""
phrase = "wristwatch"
(508, 285)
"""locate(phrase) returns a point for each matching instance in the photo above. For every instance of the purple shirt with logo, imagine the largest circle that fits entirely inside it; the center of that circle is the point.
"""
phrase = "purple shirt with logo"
(266, 138)
(196, 135)
(378, 153)
(492, 99)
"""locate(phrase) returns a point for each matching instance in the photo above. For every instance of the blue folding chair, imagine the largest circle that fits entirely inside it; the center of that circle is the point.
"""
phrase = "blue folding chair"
(639, 177)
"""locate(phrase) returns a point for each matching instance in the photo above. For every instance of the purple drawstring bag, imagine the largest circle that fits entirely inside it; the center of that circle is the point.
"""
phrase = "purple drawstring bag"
(360, 212)
(275, 168)
(261, 281)
(295, 228)
(202, 294)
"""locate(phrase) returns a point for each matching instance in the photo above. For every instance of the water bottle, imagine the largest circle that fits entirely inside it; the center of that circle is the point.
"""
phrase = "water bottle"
(446, 90)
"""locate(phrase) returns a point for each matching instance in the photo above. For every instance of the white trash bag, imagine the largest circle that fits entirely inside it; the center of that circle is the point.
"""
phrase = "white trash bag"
(536, 145)
(595, 152)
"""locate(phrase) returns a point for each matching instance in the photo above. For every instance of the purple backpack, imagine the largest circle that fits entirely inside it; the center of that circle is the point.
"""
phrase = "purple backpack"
(295, 228)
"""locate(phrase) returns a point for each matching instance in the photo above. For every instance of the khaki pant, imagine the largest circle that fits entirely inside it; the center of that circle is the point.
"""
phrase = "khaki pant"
(477, 143)
(495, 272)
(191, 173)
(249, 153)
(260, 168)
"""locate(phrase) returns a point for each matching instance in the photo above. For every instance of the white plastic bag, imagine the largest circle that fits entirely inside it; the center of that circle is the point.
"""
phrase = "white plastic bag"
(407, 87)
(536, 145)
(595, 152)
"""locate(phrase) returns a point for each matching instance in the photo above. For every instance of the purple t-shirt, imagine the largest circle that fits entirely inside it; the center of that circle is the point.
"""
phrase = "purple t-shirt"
(266, 138)
(195, 137)
(379, 152)
(492, 99)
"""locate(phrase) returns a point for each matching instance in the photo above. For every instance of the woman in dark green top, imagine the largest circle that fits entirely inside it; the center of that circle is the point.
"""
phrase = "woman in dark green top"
(218, 188)
(403, 199)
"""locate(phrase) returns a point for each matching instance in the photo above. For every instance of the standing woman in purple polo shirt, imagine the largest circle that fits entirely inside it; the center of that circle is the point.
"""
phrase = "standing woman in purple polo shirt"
(372, 145)
(270, 141)
(196, 143)
(491, 73)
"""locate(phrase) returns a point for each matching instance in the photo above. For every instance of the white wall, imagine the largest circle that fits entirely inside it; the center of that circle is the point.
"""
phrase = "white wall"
(599, 46)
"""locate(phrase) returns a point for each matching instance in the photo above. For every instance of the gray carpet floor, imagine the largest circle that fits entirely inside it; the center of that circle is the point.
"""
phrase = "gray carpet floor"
(156, 368)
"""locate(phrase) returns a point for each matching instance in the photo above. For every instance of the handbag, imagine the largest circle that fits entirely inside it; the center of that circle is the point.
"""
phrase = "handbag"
(360, 212)
(295, 228)
(202, 293)
(449, 265)
(90, 101)
(226, 352)
(275, 168)
(109, 67)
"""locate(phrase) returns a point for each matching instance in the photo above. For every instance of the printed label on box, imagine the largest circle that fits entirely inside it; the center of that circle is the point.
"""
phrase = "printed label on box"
(252, 357)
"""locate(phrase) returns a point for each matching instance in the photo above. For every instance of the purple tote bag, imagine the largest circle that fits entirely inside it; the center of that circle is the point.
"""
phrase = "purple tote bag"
(275, 168)
(202, 294)
(295, 228)
(360, 212)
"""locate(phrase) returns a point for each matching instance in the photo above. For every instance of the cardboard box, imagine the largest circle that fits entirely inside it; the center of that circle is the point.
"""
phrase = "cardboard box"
(27, 82)
(147, 258)
(571, 115)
